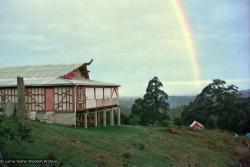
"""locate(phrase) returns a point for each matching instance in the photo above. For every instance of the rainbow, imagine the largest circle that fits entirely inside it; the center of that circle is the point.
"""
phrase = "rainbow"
(188, 36)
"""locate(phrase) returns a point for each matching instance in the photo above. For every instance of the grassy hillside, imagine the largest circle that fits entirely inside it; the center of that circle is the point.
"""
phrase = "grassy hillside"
(126, 146)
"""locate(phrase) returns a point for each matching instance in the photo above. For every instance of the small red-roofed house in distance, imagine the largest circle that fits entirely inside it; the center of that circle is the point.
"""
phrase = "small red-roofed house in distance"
(196, 125)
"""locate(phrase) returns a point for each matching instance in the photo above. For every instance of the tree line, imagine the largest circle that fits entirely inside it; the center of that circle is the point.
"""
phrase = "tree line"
(217, 106)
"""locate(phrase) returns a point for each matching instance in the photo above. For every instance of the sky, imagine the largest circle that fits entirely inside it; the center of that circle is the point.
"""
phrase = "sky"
(185, 43)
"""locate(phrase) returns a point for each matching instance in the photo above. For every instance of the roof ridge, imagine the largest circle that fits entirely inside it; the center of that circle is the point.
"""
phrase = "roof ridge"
(40, 65)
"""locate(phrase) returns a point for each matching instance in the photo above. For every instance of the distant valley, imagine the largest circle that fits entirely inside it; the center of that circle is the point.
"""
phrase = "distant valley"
(245, 93)
(126, 102)
(174, 101)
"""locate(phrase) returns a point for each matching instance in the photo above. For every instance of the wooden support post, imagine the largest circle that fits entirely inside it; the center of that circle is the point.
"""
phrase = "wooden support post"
(111, 117)
(86, 120)
(104, 118)
(95, 112)
(21, 109)
(99, 117)
(118, 116)
(81, 119)
(75, 105)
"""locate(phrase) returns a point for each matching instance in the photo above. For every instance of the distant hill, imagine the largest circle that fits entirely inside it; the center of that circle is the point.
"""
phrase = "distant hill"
(127, 101)
(126, 104)
(245, 93)
(174, 101)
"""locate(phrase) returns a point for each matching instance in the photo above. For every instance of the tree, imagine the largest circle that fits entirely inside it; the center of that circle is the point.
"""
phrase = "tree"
(153, 107)
(218, 106)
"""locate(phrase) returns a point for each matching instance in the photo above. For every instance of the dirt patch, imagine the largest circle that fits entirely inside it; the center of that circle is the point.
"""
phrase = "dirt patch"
(170, 130)
(243, 141)
(189, 160)
(139, 146)
(242, 152)
(169, 156)
(127, 155)
(244, 162)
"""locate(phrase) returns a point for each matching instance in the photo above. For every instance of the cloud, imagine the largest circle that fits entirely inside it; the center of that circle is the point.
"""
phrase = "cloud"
(190, 87)
(205, 82)
(22, 37)
(130, 41)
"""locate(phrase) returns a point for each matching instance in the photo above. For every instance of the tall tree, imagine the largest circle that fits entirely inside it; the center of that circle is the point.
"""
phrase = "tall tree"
(218, 106)
(153, 107)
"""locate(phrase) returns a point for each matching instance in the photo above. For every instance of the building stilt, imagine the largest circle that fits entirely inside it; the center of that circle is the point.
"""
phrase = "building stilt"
(104, 118)
(112, 117)
(95, 112)
(99, 117)
(118, 116)
(86, 120)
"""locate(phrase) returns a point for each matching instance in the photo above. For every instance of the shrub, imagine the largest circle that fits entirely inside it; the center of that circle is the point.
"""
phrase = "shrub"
(178, 121)
(13, 129)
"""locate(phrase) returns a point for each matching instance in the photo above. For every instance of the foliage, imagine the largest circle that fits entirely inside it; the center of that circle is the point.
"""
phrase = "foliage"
(124, 119)
(175, 112)
(218, 106)
(134, 120)
(178, 121)
(153, 107)
(13, 129)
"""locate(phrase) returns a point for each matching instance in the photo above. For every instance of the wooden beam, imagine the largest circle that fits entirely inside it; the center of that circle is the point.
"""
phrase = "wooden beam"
(21, 108)
(75, 102)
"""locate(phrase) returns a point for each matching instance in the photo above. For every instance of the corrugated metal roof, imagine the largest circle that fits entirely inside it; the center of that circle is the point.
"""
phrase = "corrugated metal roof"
(92, 83)
(38, 71)
(53, 82)
(44, 75)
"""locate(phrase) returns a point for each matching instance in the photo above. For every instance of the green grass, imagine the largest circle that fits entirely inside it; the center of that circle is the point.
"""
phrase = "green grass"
(126, 146)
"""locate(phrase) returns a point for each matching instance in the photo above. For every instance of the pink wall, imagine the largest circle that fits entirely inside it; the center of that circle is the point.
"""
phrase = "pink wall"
(50, 100)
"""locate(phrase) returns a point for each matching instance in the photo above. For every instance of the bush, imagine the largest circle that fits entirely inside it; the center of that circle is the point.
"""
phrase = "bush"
(134, 120)
(178, 121)
(164, 123)
(13, 129)
(212, 121)
(124, 119)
